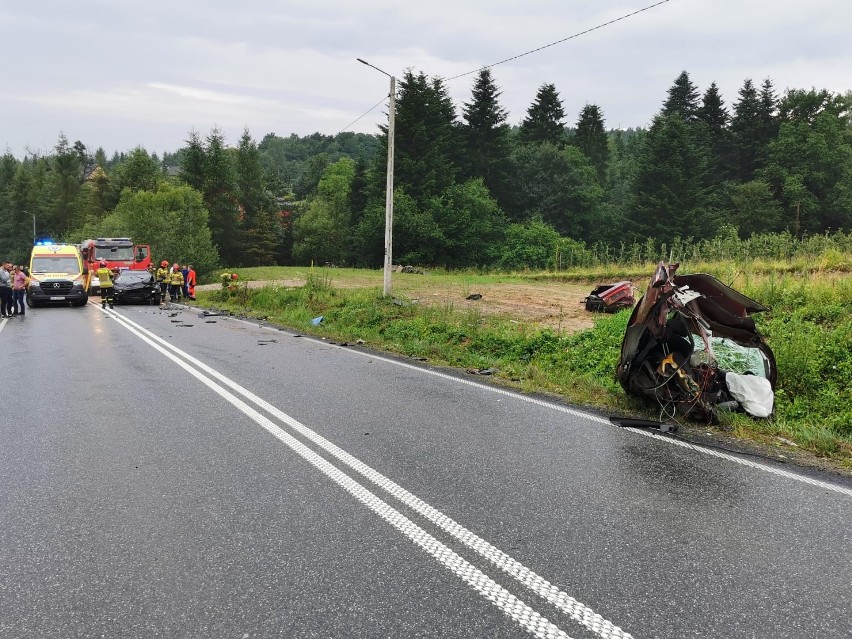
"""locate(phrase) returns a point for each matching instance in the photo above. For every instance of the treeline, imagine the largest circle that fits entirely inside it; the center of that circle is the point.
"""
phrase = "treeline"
(470, 191)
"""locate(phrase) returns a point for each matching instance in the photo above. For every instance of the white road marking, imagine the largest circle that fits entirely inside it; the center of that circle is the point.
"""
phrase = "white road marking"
(598, 419)
(563, 601)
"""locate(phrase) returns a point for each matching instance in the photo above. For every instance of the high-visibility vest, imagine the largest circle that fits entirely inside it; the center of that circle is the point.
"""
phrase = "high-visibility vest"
(162, 274)
(177, 278)
(105, 277)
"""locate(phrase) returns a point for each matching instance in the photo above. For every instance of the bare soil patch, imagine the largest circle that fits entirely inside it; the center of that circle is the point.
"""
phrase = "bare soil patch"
(558, 306)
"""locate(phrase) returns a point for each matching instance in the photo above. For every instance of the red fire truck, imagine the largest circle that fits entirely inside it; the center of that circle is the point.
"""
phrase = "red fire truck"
(117, 252)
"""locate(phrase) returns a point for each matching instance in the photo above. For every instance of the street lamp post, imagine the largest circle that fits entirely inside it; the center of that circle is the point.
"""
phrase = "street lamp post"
(389, 188)
(34, 232)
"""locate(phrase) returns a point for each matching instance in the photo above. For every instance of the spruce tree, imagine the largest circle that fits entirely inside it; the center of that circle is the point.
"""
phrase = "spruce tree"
(768, 112)
(682, 98)
(590, 137)
(669, 196)
(192, 162)
(715, 117)
(220, 198)
(545, 118)
(258, 222)
(746, 134)
(486, 138)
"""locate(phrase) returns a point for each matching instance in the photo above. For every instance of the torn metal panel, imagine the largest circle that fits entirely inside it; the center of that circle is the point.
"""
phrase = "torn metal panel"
(686, 334)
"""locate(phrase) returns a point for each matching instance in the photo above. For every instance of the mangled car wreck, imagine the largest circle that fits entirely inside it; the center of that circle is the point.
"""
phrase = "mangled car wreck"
(610, 298)
(692, 348)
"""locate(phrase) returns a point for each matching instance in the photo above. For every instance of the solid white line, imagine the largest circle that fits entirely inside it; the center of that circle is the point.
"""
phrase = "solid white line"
(745, 462)
(529, 619)
(563, 601)
(600, 420)
(3, 324)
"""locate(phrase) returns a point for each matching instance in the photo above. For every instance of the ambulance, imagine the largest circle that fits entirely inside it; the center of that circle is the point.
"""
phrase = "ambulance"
(57, 275)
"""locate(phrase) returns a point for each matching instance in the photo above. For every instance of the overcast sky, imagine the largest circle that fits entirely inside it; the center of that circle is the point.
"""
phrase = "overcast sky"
(119, 74)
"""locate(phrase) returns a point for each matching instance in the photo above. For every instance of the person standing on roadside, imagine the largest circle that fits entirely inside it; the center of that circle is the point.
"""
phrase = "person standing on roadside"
(162, 276)
(5, 290)
(185, 272)
(105, 277)
(190, 282)
(19, 289)
(176, 283)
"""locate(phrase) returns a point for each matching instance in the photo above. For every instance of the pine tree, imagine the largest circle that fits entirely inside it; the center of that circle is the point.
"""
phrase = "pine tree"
(545, 118)
(486, 137)
(590, 137)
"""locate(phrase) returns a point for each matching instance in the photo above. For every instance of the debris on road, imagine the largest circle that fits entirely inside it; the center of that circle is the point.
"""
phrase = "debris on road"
(483, 371)
(474, 296)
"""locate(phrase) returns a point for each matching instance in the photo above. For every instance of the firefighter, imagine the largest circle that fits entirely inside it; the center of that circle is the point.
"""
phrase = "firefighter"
(162, 276)
(176, 282)
(105, 276)
(190, 282)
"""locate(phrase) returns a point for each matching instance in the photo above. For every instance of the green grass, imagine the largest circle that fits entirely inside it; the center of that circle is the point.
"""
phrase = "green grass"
(809, 328)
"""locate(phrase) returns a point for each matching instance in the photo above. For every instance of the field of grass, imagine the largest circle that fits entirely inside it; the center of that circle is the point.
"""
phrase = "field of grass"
(809, 328)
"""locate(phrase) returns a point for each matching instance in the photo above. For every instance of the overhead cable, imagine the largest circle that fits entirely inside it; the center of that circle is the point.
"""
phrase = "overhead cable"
(571, 37)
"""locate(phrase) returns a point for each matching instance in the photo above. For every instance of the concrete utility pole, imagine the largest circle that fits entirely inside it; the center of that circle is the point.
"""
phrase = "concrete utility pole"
(389, 188)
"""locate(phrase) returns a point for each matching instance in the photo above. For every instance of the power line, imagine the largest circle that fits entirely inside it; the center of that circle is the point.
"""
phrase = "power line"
(571, 37)
(362, 115)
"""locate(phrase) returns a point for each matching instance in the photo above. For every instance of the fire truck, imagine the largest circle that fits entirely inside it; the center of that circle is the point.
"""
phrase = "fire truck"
(118, 253)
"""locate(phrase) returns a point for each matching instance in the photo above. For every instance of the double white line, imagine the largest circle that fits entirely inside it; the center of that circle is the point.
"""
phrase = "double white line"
(529, 619)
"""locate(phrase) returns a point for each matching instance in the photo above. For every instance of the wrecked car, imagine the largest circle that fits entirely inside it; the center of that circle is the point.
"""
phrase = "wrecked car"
(609, 298)
(692, 348)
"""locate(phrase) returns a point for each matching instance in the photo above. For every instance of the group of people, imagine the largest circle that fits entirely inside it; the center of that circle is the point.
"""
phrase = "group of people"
(14, 280)
(178, 281)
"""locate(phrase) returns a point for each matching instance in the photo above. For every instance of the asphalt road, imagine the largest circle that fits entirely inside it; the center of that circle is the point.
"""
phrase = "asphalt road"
(168, 475)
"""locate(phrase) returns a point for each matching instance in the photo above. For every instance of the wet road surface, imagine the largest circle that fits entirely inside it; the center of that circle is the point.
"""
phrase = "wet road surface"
(169, 475)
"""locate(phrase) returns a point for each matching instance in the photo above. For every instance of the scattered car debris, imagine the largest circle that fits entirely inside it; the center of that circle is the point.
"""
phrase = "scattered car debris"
(318, 320)
(210, 321)
(630, 422)
(692, 348)
(210, 314)
(609, 298)
(483, 371)
(474, 296)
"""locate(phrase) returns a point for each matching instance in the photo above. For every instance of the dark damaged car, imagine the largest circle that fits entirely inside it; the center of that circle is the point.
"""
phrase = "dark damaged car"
(136, 287)
(692, 348)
